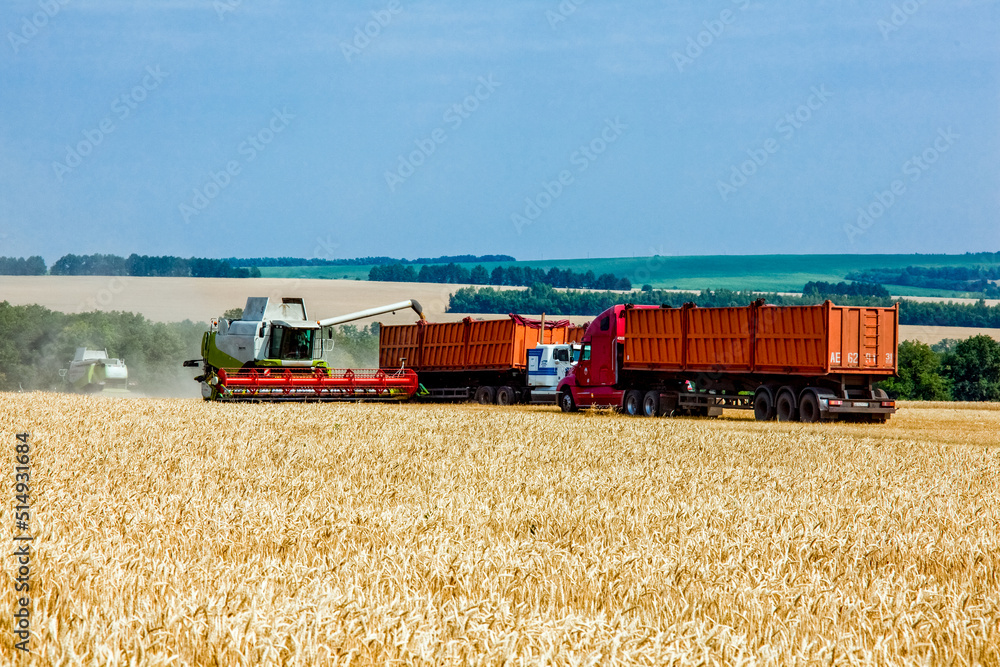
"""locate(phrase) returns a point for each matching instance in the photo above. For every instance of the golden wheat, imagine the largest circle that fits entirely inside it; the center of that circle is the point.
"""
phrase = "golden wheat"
(183, 532)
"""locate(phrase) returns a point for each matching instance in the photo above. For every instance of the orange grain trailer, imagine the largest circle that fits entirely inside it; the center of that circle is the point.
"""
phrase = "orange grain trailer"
(806, 363)
(482, 359)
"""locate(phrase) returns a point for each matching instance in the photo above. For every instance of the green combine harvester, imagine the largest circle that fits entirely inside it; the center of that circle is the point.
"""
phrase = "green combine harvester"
(92, 371)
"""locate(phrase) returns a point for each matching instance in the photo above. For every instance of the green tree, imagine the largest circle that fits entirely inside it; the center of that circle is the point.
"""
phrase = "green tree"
(920, 376)
(478, 275)
(974, 369)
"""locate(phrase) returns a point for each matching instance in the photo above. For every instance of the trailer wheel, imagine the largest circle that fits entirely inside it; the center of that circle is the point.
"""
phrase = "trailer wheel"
(566, 402)
(651, 404)
(809, 408)
(485, 395)
(633, 403)
(763, 406)
(785, 406)
(506, 396)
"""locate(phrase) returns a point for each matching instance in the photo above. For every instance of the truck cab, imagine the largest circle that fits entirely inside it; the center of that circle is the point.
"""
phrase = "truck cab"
(548, 364)
(592, 382)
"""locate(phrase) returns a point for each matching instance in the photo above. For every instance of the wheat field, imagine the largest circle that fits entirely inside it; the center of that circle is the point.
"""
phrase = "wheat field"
(186, 533)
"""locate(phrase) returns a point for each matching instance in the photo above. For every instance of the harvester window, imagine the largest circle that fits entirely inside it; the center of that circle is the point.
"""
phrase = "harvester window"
(292, 344)
(298, 344)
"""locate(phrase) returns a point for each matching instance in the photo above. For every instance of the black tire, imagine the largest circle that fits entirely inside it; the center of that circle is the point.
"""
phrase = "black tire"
(763, 406)
(485, 395)
(566, 402)
(784, 407)
(632, 405)
(809, 408)
(506, 396)
(651, 404)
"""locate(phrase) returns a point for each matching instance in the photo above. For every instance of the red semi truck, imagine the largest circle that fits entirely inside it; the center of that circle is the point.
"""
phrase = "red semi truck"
(806, 363)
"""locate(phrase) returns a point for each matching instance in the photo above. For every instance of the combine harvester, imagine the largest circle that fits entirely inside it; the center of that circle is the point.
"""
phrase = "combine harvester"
(791, 363)
(274, 352)
(91, 371)
(516, 360)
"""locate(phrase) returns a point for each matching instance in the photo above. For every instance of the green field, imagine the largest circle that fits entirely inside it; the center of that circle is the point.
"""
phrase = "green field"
(779, 273)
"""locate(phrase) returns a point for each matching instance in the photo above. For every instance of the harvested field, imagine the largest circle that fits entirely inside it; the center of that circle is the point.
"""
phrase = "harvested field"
(201, 299)
(184, 532)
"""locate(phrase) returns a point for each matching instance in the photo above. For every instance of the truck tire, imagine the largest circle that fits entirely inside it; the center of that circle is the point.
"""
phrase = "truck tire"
(566, 402)
(809, 408)
(632, 405)
(763, 405)
(485, 395)
(785, 406)
(651, 404)
(506, 396)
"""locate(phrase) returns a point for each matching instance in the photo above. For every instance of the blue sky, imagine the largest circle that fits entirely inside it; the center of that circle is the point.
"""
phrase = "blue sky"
(534, 128)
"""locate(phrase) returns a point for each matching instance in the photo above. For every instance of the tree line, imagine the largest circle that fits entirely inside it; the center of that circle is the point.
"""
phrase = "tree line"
(365, 261)
(966, 370)
(845, 289)
(956, 278)
(21, 266)
(518, 276)
(541, 298)
(143, 265)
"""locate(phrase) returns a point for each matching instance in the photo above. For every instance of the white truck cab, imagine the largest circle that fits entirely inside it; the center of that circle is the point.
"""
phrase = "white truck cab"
(547, 365)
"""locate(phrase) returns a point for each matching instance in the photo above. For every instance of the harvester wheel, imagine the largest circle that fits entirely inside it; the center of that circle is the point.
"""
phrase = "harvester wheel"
(566, 402)
(633, 403)
(809, 408)
(785, 406)
(651, 404)
(485, 395)
(763, 406)
(506, 396)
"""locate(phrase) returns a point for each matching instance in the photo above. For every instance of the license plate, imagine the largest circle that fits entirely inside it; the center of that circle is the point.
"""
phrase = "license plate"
(860, 405)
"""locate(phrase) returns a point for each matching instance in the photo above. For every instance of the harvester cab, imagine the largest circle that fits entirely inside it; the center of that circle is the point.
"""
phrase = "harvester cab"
(275, 352)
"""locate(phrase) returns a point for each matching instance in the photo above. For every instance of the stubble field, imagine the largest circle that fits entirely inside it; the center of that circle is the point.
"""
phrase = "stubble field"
(182, 532)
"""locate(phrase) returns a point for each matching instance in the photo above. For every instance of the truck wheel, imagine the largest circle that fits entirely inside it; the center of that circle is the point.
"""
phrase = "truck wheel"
(566, 402)
(506, 396)
(763, 406)
(785, 406)
(633, 403)
(651, 404)
(809, 408)
(485, 395)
